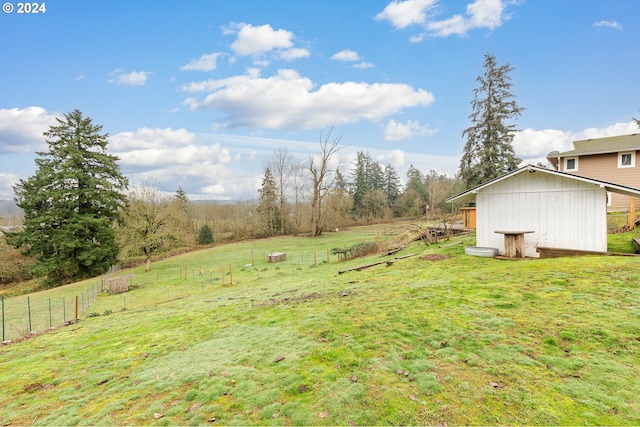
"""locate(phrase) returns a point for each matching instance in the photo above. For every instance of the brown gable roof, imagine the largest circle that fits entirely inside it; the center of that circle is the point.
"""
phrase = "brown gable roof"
(612, 144)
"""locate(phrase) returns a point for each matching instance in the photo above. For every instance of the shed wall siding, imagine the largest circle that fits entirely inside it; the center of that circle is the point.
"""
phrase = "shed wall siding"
(562, 212)
(605, 168)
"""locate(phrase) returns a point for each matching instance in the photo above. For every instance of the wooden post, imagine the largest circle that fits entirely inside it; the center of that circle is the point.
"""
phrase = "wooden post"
(327, 255)
(76, 307)
(632, 213)
(315, 259)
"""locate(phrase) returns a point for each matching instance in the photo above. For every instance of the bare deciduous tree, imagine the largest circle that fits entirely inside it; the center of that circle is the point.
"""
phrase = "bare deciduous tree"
(322, 177)
(282, 166)
(146, 223)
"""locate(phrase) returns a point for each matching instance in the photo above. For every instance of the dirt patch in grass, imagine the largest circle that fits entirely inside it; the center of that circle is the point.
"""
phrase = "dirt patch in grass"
(435, 257)
(289, 300)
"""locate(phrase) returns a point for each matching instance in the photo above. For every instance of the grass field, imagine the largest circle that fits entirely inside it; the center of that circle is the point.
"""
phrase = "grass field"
(435, 338)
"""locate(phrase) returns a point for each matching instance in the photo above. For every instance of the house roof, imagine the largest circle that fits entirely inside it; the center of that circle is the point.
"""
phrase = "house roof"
(470, 194)
(612, 144)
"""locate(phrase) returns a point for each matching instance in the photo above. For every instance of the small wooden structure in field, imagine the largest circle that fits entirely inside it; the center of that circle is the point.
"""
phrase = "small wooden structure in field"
(118, 285)
(277, 257)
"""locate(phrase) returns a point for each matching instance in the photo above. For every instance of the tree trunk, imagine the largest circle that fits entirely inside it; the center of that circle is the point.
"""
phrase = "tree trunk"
(148, 264)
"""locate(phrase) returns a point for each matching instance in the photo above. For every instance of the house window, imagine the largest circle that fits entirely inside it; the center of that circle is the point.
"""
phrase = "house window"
(627, 160)
(571, 164)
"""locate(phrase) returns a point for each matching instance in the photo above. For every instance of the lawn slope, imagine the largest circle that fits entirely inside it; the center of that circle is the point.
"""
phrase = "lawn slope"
(435, 338)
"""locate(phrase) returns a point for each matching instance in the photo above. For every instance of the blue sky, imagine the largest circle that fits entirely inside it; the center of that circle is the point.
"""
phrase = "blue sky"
(199, 94)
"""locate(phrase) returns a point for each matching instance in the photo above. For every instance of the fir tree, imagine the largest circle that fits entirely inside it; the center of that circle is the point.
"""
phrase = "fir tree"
(268, 206)
(205, 235)
(488, 152)
(391, 184)
(71, 203)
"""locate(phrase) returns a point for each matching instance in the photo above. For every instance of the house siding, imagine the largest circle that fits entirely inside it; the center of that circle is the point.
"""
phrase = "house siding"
(604, 167)
(562, 212)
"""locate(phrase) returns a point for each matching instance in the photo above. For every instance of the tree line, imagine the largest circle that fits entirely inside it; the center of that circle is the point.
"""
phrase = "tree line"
(80, 216)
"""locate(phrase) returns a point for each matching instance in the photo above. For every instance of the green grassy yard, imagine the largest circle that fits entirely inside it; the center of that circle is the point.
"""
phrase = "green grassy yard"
(436, 338)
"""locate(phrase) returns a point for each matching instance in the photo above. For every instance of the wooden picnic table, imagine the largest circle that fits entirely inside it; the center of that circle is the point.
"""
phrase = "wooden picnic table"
(514, 243)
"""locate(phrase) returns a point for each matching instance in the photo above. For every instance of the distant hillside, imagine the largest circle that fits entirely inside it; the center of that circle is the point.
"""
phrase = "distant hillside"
(9, 210)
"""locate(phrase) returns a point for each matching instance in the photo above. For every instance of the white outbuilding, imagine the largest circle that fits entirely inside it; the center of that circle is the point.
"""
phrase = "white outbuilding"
(546, 207)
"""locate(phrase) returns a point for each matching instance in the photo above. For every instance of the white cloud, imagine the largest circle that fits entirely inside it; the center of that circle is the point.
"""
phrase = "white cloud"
(417, 38)
(351, 56)
(480, 14)
(394, 157)
(363, 65)
(258, 40)
(531, 143)
(609, 24)
(401, 14)
(173, 158)
(21, 130)
(488, 14)
(134, 78)
(249, 100)
(623, 128)
(294, 53)
(206, 62)
(395, 131)
(346, 55)
(145, 138)
(7, 181)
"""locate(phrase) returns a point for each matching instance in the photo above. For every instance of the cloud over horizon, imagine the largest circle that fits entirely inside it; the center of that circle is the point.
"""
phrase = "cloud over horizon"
(247, 100)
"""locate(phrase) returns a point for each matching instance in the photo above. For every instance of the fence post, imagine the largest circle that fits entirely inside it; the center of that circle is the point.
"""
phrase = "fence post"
(3, 318)
(64, 312)
(50, 320)
(29, 312)
(76, 307)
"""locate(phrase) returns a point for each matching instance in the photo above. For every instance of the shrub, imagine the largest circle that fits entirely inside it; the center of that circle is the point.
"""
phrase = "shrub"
(14, 267)
(205, 235)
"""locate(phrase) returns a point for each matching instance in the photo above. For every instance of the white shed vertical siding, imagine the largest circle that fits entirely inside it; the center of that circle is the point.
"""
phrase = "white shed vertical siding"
(562, 212)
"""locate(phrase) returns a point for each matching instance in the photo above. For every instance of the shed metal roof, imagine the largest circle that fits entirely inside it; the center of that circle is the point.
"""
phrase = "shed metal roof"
(470, 194)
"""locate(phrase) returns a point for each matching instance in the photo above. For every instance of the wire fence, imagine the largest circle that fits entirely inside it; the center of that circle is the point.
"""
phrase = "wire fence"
(30, 315)
(26, 316)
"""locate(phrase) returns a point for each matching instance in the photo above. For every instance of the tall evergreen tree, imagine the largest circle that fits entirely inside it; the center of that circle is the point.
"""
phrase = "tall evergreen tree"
(391, 184)
(488, 152)
(71, 203)
(359, 181)
(268, 205)
(183, 219)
